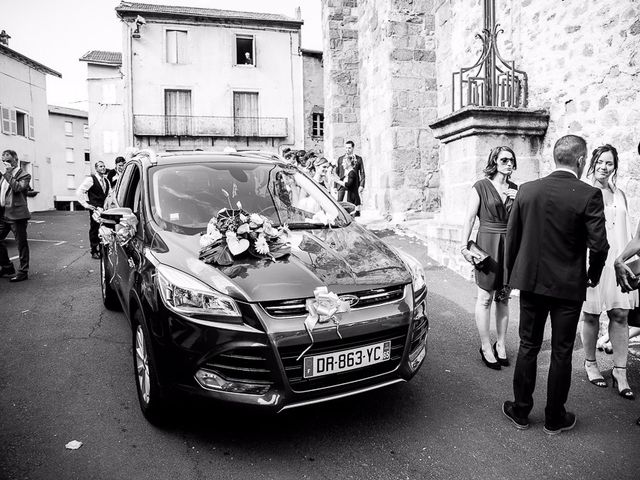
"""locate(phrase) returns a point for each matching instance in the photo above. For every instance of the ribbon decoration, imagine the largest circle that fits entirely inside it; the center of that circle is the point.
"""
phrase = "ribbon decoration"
(123, 233)
(324, 307)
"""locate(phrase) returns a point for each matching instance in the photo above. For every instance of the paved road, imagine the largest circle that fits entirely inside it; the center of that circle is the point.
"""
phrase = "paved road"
(65, 375)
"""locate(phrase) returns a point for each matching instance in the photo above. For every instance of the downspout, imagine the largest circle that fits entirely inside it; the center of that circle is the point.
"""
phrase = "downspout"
(130, 84)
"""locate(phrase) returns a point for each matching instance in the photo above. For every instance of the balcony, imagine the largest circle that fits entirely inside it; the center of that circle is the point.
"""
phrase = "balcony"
(199, 126)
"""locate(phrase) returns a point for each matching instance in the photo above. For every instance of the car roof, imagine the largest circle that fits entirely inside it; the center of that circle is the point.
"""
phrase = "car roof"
(149, 157)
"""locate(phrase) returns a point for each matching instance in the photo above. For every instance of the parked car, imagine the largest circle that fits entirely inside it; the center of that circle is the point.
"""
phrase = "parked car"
(236, 333)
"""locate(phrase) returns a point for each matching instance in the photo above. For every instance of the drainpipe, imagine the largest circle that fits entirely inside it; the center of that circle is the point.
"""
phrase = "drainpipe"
(130, 85)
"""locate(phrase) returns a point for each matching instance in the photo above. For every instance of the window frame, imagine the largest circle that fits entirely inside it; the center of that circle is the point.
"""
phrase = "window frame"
(245, 36)
(68, 132)
(317, 131)
(184, 49)
(73, 178)
(66, 155)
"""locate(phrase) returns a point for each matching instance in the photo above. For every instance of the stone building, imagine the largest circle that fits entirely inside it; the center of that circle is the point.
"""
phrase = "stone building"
(388, 84)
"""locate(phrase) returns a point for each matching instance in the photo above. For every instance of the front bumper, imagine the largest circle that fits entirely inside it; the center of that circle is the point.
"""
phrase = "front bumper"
(258, 360)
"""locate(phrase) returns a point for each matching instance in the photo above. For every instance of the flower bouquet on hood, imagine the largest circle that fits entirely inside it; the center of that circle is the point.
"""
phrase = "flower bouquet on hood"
(233, 233)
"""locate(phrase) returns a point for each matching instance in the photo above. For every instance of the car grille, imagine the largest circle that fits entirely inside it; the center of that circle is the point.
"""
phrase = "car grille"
(366, 298)
(294, 372)
(245, 365)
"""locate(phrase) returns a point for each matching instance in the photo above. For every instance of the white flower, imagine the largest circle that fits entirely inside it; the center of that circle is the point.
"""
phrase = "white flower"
(261, 245)
(256, 218)
(212, 226)
(206, 240)
(244, 228)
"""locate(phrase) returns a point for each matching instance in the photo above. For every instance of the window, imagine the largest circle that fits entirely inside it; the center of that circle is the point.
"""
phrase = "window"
(109, 94)
(68, 129)
(15, 122)
(245, 113)
(71, 182)
(68, 155)
(36, 178)
(177, 111)
(87, 156)
(21, 124)
(110, 141)
(317, 126)
(85, 130)
(176, 44)
(245, 51)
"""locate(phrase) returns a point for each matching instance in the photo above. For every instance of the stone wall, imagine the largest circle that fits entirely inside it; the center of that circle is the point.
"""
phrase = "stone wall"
(583, 62)
(398, 101)
(341, 72)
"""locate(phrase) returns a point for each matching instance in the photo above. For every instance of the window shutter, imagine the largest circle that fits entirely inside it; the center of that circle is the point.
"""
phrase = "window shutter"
(6, 121)
(14, 122)
(32, 130)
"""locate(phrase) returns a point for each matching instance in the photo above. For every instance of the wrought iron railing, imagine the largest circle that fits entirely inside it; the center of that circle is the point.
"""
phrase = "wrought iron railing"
(492, 80)
(205, 126)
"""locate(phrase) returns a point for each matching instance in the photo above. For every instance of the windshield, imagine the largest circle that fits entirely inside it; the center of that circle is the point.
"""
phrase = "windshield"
(185, 197)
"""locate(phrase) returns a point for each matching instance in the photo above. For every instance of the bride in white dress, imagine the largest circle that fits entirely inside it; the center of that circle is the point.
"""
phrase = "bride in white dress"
(607, 296)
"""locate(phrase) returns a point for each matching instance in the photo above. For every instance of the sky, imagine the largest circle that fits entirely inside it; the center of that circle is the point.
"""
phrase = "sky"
(57, 33)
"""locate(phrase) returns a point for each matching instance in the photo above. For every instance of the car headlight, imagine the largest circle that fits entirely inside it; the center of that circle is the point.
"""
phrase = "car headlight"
(188, 296)
(418, 277)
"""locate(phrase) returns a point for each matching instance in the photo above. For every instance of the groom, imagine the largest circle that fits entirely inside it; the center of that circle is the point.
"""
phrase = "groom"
(554, 220)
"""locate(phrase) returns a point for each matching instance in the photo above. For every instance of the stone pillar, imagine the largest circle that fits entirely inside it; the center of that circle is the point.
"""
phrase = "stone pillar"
(467, 136)
(398, 100)
(342, 95)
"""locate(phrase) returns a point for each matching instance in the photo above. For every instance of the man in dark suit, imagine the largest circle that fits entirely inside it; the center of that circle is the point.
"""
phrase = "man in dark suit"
(14, 215)
(114, 174)
(343, 162)
(554, 220)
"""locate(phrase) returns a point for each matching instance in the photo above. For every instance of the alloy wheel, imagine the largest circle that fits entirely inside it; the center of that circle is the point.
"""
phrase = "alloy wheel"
(142, 365)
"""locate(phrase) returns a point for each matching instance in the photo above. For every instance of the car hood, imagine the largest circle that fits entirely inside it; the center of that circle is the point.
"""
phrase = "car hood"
(344, 259)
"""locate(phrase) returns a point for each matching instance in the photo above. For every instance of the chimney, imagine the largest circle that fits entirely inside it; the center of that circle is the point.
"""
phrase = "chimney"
(4, 38)
(298, 13)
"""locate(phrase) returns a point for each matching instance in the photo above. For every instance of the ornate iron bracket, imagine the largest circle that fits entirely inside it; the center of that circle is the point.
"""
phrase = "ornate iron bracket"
(492, 80)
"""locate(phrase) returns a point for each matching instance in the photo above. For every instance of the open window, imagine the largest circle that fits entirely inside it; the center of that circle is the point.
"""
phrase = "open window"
(245, 50)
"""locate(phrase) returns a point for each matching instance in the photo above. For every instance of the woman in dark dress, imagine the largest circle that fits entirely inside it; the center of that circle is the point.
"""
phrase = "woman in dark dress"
(490, 200)
(351, 182)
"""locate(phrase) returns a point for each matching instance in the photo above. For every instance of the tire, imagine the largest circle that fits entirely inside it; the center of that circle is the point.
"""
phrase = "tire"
(153, 403)
(109, 296)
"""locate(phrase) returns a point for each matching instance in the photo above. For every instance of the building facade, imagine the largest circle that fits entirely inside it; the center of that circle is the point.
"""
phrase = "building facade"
(199, 78)
(313, 94)
(69, 152)
(25, 120)
(105, 89)
(390, 66)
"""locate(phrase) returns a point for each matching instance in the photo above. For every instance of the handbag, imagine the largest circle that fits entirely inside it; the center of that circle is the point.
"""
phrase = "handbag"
(634, 265)
(480, 257)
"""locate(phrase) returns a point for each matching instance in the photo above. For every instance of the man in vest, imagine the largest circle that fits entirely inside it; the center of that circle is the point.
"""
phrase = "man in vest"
(92, 193)
(14, 215)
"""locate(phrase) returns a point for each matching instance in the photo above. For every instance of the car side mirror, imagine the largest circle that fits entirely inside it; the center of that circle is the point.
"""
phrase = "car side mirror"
(111, 217)
(349, 207)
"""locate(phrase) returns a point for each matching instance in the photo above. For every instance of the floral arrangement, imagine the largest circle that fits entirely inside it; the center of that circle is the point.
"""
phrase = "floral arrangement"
(325, 306)
(234, 232)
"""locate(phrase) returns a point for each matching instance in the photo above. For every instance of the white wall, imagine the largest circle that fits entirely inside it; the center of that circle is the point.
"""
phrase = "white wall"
(108, 136)
(60, 141)
(212, 76)
(23, 88)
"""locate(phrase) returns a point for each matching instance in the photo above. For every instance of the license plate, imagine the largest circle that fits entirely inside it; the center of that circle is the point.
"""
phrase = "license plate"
(328, 363)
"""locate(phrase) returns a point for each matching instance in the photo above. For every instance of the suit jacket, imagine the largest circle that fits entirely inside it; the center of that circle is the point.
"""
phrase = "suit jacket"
(553, 221)
(15, 201)
(358, 168)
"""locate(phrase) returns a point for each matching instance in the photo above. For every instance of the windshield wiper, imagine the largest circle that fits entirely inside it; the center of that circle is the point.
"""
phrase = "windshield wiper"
(303, 225)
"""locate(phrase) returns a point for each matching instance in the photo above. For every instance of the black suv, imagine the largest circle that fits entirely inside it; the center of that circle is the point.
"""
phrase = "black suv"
(236, 333)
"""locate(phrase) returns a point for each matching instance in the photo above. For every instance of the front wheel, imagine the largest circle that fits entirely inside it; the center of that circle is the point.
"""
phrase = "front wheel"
(109, 296)
(152, 401)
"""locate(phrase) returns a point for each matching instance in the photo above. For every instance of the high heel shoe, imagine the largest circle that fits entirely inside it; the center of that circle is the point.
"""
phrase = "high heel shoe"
(492, 365)
(502, 361)
(625, 393)
(597, 381)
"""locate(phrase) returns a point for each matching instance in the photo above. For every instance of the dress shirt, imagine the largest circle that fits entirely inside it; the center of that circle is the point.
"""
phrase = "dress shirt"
(4, 185)
(84, 187)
